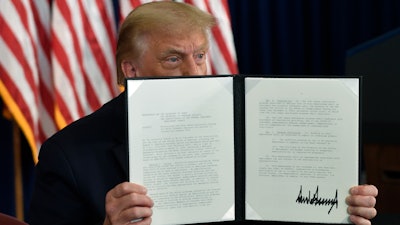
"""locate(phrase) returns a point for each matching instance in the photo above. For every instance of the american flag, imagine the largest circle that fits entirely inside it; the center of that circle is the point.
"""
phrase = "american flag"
(25, 72)
(57, 58)
(83, 50)
(56, 62)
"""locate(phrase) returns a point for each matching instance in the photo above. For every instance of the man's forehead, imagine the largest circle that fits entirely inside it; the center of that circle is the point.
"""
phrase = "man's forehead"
(180, 43)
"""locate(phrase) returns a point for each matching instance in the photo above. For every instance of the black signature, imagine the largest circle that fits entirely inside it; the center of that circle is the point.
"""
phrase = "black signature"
(316, 200)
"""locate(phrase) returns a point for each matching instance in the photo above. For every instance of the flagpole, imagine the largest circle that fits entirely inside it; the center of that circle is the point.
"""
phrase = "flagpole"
(19, 202)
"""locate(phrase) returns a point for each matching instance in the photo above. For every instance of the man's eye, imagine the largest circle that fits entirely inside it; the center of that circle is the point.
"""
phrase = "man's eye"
(200, 57)
(173, 59)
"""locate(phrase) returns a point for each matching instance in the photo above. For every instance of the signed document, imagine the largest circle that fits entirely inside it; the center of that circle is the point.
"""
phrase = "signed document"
(238, 148)
(302, 141)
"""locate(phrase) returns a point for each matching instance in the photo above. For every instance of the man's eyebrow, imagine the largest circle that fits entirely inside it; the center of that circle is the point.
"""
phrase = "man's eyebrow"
(170, 51)
(178, 51)
(203, 47)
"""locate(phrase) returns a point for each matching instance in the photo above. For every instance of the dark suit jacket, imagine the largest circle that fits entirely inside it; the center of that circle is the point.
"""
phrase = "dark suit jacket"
(79, 165)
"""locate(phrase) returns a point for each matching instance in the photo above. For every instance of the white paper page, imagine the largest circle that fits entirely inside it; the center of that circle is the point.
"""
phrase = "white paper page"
(302, 140)
(181, 147)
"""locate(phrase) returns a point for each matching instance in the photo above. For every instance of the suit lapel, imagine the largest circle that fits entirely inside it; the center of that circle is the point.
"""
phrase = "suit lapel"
(120, 151)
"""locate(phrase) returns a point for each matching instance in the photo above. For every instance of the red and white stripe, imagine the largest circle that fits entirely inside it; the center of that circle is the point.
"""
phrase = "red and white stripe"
(222, 56)
(126, 6)
(25, 79)
(83, 50)
(222, 48)
(58, 67)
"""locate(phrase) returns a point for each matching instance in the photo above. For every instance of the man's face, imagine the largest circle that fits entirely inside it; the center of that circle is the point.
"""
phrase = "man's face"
(173, 55)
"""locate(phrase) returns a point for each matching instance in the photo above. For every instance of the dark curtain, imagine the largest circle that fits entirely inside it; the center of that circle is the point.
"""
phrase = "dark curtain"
(290, 37)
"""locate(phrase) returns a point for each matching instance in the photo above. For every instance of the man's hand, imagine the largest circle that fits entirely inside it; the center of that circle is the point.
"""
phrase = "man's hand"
(361, 204)
(127, 203)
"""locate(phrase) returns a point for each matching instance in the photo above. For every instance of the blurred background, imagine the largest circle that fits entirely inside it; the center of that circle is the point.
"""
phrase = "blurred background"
(270, 37)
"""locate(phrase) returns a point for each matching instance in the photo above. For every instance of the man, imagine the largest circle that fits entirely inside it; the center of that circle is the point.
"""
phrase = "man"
(82, 170)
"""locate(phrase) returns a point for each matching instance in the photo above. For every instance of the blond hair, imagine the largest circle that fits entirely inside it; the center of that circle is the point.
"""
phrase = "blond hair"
(157, 17)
